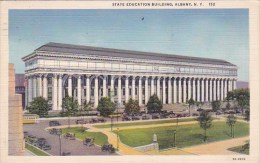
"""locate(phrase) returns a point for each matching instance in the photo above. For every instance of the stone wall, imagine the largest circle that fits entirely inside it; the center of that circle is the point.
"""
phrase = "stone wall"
(149, 147)
(16, 144)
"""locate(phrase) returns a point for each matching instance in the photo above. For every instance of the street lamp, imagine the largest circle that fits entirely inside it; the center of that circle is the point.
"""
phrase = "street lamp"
(59, 134)
(111, 122)
(117, 139)
(174, 138)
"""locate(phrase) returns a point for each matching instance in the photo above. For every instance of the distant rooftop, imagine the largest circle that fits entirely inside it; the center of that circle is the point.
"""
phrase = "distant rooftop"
(86, 50)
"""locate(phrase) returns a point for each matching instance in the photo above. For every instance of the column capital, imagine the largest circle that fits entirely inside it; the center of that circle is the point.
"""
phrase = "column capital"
(55, 75)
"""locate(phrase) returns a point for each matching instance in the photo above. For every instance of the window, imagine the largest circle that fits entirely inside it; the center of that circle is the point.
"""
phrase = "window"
(123, 91)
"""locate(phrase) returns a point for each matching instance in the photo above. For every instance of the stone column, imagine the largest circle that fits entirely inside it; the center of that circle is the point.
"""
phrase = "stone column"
(179, 91)
(140, 91)
(174, 91)
(39, 80)
(222, 90)
(126, 89)
(70, 86)
(45, 87)
(202, 90)
(184, 90)
(170, 91)
(193, 89)
(34, 86)
(198, 90)
(158, 87)
(54, 92)
(225, 88)
(29, 90)
(112, 93)
(60, 92)
(119, 94)
(214, 90)
(133, 87)
(105, 86)
(189, 89)
(79, 90)
(87, 89)
(210, 90)
(96, 92)
(207, 90)
(230, 85)
(164, 92)
(152, 86)
(219, 90)
(146, 90)
(234, 84)
(26, 91)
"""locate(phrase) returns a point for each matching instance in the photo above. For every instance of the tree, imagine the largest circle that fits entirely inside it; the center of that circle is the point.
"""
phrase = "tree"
(132, 106)
(215, 105)
(154, 105)
(231, 120)
(39, 106)
(247, 115)
(86, 107)
(105, 106)
(205, 121)
(191, 102)
(69, 107)
(241, 96)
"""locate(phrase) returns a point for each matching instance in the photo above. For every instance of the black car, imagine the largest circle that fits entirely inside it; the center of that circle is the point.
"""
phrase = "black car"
(145, 117)
(135, 118)
(155, 117)
(54, 123)
(80, 121)
(126, 119)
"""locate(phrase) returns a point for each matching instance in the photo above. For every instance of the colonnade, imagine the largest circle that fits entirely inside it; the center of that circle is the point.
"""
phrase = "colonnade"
(120, 88)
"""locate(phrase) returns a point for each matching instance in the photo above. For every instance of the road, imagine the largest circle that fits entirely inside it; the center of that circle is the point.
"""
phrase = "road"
(76, 147)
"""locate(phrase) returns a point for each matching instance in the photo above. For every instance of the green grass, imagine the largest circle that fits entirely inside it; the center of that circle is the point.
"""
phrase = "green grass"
(146, 123)
(35, 150)
(187, 135)
(100, 138)
(239, 149)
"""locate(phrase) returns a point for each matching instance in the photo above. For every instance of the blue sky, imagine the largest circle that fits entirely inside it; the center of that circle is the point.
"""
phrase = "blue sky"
(218, 33)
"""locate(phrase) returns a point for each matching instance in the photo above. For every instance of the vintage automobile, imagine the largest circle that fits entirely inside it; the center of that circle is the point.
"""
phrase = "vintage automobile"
(70, 136)
(88, 141)
(108, 148)
(54, 123)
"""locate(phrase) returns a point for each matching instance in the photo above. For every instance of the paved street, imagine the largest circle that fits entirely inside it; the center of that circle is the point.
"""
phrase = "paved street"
(76, 147)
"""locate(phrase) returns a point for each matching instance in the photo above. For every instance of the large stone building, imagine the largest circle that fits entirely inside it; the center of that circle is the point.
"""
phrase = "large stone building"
(57, 70)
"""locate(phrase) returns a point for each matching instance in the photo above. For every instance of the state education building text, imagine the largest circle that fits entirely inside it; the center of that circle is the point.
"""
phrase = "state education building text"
(56, 70)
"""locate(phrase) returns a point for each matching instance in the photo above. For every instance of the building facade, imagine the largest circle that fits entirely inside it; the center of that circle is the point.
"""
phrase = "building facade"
(86, 73)
(20, 87)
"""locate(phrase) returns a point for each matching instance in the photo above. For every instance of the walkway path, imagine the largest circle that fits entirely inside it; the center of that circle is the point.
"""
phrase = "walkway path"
(214, 148)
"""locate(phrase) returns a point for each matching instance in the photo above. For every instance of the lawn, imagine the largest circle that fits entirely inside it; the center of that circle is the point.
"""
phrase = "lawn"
(146, 123)
(35, 150)
(239, 149)
(100, 138)
(187, 135)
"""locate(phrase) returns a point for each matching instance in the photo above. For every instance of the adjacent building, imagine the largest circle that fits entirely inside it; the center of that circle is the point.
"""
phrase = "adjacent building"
(56, 70)
(20, 87)
(16, 144)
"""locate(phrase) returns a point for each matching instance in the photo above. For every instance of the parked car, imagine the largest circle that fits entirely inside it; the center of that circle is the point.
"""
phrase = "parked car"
(126, 118)
(108, 147)
(93, 120)
(54, 123)
(145, 117)
(81, 121)
(155, 116)
(46, 147)
(134, 118)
